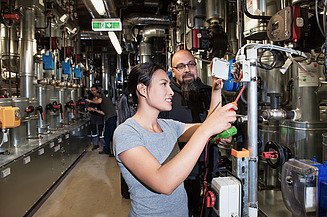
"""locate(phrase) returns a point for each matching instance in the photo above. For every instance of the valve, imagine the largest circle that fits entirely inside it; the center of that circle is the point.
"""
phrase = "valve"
(276, 155)
(14, 17)
(29, 109)
(210, 199)
(71, 104)
(40, 110)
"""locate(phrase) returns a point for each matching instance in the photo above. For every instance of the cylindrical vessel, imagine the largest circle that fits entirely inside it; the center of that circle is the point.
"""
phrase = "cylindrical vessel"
(303, 138)
(145, 52)
(32, 130)
(272, 81)
(305, 92)
(199, 11)
(255, 29)
(44, 99)
(8, 144)
(62, 100)
(9, 48)
(215, 10)
(324, 147)
(18, 135)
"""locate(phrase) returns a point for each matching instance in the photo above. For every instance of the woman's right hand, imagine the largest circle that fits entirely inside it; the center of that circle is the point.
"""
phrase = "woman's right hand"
(220, 119)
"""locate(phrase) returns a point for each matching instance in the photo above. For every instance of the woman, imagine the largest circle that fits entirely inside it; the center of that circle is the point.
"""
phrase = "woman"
(144, 145)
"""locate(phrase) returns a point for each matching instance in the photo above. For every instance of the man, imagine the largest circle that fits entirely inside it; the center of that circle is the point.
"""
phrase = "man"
(110, 117)
(191, 101)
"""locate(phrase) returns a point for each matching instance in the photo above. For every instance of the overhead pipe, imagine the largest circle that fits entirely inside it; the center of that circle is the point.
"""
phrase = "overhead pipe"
(139, 19)
(145, 46)
(153, 31)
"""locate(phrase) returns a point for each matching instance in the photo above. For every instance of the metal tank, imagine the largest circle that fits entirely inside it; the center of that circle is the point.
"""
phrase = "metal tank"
(9, 48)
(62, 99)
(44, 99)
(32, 130)
(5, 144)
(53, 108)
(18, 135)
(215, 10)
(304, 137)
(255, 29)
(272, 86)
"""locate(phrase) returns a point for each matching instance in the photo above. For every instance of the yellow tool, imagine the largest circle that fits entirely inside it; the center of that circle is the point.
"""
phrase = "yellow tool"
(9, 117)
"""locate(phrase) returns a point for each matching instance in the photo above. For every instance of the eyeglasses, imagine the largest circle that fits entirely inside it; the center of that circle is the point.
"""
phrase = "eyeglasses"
(182, 66)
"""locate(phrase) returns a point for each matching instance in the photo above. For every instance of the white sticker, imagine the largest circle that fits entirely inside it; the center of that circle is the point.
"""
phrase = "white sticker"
(310, 76)
(57, 148)
(51, 144)
(73, 133)
(41, 151)
(5, 172)
(26, 160)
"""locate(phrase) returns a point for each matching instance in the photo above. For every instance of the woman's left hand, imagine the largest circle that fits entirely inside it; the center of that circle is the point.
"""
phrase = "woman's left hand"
(217, 83)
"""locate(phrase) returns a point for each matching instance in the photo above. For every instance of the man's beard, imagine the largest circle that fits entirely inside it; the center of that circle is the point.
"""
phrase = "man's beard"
(190, 90)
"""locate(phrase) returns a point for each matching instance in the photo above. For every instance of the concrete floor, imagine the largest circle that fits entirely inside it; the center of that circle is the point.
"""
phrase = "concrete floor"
(91, 189)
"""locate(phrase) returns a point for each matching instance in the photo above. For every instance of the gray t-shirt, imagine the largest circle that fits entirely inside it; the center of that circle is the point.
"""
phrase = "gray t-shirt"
(144, 201)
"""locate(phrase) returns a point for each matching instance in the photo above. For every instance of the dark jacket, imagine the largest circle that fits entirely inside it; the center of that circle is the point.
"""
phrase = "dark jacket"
(193, 111)
(107, 107)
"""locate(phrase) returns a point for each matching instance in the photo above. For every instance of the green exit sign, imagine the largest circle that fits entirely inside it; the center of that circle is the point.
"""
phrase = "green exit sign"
(109, 24)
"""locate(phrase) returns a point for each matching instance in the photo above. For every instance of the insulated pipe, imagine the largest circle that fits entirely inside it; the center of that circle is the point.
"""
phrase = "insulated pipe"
(153, 31)
(252, 130)
(105, 69)
(27, 51)
(138, 19)
(240, 28)
(145, 46)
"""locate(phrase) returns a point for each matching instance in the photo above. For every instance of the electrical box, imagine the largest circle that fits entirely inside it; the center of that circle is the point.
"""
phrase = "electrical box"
(66, 67)
(228, 196)
(47, 59)
(220, 68)
(9, 117)
(78, 72)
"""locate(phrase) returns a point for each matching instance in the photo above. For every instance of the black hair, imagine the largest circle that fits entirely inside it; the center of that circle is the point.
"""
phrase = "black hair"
(141, 73)
(96, 87)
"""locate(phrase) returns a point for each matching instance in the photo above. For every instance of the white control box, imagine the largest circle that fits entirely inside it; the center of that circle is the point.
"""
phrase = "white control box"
(220, 68)
(228, 196)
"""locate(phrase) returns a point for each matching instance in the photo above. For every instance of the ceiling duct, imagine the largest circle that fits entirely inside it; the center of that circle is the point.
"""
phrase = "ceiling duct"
(142, 19)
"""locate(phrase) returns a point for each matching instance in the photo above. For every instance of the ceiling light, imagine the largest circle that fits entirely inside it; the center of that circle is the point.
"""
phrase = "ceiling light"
(115, 42)
(99, 6)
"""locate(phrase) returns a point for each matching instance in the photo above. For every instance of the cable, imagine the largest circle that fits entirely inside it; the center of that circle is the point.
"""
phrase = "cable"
(317, 18)
(206, 164)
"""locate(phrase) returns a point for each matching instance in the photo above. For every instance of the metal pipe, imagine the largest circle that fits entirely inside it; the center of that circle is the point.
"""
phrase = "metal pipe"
(240, 30)
(105, 69)
(110, 8)
(153, 31)
(139, 19)
(253, 135)
(27, 51)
